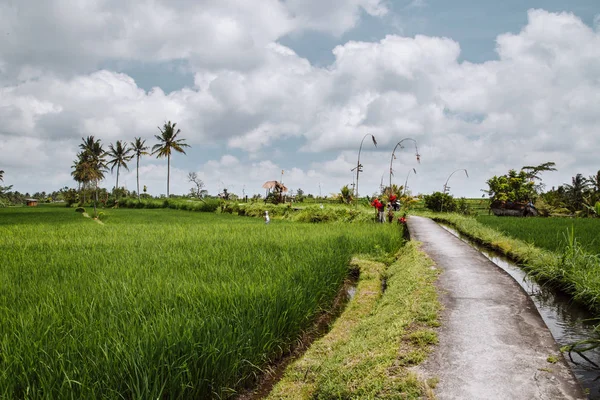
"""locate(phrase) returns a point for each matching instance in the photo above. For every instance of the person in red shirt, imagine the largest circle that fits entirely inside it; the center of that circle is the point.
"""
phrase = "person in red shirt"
(379, 208)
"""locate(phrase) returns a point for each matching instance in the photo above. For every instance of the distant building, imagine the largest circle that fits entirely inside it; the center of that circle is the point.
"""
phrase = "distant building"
(31, 202)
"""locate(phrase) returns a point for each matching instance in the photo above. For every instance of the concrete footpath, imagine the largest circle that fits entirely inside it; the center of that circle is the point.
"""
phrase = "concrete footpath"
(493, 343)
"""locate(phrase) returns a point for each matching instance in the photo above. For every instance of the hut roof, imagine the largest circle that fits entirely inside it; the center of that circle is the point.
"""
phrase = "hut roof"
(274, 185)
(31, 199)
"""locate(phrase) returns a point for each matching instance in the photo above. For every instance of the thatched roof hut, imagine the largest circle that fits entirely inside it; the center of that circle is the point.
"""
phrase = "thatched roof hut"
(279, 187)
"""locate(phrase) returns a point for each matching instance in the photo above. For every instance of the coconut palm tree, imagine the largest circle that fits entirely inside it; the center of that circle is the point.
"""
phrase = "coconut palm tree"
(78, 174)
(533, 173)
(1, 175)
(593, 180)
(575, 191)
(139, 149)
(93, 162)
(168, 142)
(119, 155)
(345, 194)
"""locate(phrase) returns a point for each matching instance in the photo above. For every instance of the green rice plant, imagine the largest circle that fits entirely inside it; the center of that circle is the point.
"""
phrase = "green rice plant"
(547, 233)
(369, 352)
(161, 303)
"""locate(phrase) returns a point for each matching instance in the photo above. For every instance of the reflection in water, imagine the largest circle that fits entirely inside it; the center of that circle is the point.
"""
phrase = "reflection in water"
(568, 322)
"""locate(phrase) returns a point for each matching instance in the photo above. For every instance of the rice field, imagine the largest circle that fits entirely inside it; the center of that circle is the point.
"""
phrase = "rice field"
(161, 303)
(548, 233)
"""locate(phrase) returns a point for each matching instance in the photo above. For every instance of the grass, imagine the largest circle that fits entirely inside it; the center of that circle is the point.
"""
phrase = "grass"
(371, 347)
(161, 303)
(297, 212)
(570, 267)
(548, 233)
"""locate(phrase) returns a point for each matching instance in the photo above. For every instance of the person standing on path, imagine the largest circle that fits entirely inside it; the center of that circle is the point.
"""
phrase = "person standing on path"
(381, 212)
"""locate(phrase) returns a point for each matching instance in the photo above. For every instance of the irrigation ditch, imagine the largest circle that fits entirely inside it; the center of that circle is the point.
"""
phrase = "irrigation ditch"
(568, 321)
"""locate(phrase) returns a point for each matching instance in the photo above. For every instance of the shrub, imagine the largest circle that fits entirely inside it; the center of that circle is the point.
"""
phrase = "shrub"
(80, 210)
(462, 206)
(439, 201)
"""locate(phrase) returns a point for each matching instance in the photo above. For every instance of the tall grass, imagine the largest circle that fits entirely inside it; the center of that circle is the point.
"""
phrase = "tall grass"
(547, 233)
(208, 205)
(160, 303)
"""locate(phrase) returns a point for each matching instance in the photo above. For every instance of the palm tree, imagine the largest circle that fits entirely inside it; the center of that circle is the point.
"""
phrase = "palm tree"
(533, 173)
(139, 149)
(168, 140)
(78, 173)
(119, 155)
(575, 191)
(345, 195)
(93, 163)
(593, 180)
(1, 175)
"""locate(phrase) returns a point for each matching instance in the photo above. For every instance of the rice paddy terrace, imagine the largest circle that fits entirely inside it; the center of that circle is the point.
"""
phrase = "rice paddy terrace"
(161, 303)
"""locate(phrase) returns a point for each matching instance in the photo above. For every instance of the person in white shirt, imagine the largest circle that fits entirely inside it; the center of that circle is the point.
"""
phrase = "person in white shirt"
(267, 219)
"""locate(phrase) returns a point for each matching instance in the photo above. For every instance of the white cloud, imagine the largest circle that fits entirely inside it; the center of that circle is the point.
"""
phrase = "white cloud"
(333, 16)
(538, 102)
(66, 37)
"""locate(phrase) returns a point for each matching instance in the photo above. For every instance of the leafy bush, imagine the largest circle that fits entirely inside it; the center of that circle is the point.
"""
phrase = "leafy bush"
(208, 205)
(439, 201)
(71, 196)
(80, 210)
(514, 186)
(462, 206)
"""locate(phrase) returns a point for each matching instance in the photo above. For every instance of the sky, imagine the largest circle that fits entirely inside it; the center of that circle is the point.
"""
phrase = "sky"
(270, 86)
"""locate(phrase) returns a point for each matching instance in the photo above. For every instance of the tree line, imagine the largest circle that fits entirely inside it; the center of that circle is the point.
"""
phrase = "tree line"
(581, 197)
(93, 161)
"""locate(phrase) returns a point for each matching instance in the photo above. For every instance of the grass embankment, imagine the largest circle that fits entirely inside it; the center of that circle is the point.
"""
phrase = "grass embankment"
(208, 205)
(313, 213)
(370, 348)
(297, 212)
(161, 303)
(569, 268)
(548, 233)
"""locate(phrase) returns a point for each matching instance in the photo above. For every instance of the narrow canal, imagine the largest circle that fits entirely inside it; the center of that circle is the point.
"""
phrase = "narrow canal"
(567, 321)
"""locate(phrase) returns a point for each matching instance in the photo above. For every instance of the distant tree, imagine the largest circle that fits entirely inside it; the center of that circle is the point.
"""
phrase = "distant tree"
(514, 186)
(1, 175)
(167, 142)
(575, 192)
(139, 149)
(300, 195)
(439, 201)
(80, 175)
(198, 189)
(533, 173)
(593, 180)
(345, 195)
(92, 163)
(119, 155)
(70, 197)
